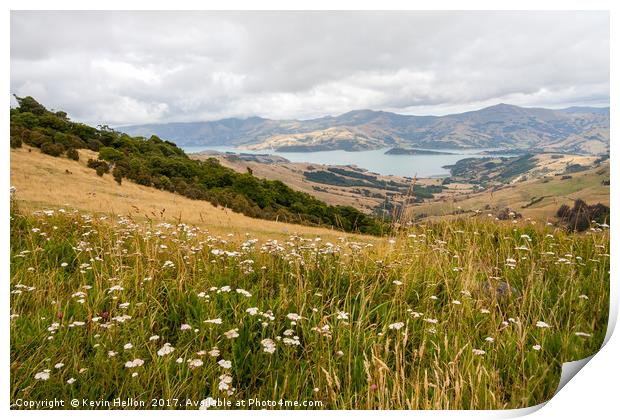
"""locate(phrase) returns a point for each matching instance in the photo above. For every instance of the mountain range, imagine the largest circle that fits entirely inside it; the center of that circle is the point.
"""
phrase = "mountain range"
(582, 130)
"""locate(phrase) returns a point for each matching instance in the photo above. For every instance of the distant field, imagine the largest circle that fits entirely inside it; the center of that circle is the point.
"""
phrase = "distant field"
(587, 185)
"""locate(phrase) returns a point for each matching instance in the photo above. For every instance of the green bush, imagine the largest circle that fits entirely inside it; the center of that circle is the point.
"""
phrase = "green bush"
(52, 149)
(73, 154)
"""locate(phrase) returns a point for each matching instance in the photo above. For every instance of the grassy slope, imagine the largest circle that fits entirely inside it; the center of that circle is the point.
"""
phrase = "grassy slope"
(586, 185)
(42, 181)
(431, 280)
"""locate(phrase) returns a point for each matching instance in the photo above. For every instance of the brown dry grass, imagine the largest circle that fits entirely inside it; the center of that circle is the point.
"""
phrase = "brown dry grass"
(43, 181)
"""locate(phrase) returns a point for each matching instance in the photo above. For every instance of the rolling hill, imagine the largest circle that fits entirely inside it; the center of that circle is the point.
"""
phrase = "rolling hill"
(571, 130)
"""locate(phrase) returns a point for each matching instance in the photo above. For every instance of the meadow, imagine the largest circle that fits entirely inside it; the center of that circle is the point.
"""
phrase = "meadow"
(471, 313)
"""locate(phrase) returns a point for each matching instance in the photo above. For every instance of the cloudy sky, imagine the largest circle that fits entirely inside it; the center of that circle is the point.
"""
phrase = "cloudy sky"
(138, 67)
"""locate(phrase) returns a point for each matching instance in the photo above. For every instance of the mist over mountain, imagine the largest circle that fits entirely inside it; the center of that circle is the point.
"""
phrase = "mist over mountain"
(575, 130)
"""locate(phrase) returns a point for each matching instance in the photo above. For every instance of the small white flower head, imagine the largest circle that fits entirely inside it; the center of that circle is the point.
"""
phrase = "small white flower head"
(478, 352)
(179, 360)
(59, 365)
(396, 325)
(42, 376)
(207, 402)
(582, 334)
(216, 321)
(214, 352)
(166, 349)
(339, 353)
(456, 302)
(194, 363)
(226, 364)
(397, 282)
(489, 339)
(134, 375)
(542, 324)
(269, 346)
(70, 381)
(128, 346)
(536, 347)
(252, 311)
(342, 315)
(134, 363)
(293, 317)
(112, 353)
(185, 327)
(232, 333)
(154, 338)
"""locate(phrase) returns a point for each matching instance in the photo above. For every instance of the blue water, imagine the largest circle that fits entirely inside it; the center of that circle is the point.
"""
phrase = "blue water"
(423, 166)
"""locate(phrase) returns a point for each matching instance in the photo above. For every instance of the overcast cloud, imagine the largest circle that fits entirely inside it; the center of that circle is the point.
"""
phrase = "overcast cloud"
(138, 67)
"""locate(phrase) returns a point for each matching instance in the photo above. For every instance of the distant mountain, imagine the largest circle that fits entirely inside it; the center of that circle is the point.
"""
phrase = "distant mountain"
(574, 130)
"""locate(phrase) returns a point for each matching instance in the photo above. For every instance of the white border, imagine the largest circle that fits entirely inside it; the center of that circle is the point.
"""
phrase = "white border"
(593, 392)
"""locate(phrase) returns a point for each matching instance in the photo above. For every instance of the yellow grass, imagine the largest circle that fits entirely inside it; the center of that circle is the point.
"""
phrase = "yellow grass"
(46, 181)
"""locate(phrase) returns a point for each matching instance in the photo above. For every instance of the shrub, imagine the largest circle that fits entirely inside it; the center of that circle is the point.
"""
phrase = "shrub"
(52, 149)
(73, 154)
(16, 142)
(581, 215)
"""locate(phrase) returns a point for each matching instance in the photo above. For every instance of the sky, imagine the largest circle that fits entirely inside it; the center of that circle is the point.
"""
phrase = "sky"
(121, 68)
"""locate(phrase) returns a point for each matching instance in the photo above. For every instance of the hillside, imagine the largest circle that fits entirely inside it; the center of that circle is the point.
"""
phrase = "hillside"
(44, 182)
(571, 130)
(160, 164)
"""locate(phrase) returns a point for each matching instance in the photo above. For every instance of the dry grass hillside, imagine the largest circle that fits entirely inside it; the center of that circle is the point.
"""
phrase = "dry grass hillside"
(43, 181)
(538, 198)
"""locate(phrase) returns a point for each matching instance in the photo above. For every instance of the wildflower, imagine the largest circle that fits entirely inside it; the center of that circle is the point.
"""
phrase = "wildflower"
(64, 264)
(112, 353)
(484, 311)
(134, 363)
(251, 311)
(214, 352)
(584, 297)
(342, 315)
(128, 346)
(194, 363)
(185, 327)
(216, 321)
(339, 353)
(179, 360)
(396, 325)
(536, 347)
(293, 317)
(478, 352)
(489, 339)
(232, 333)
(226, 364)
(397, 282)
(269, 346)
(225, 381)
(456, 302)
(582, 334)
(206, 403)
(434, 297)
(42, 376)
(135, 374)
(431, 320)
(70, 381)
(542, 324)
(166, 349)
(59, 365)
(154, 338)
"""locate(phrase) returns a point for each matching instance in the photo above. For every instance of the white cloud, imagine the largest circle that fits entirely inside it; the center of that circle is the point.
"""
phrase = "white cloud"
(136, 67)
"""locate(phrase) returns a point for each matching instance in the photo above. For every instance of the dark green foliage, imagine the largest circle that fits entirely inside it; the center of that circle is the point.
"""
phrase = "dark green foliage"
(161, 164)
(98, 165)
(16, 142)
(73, 154)
(53, 149)
(580, 217)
